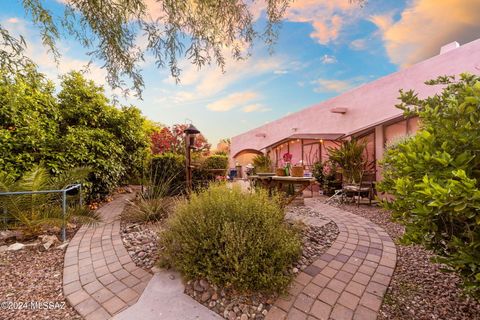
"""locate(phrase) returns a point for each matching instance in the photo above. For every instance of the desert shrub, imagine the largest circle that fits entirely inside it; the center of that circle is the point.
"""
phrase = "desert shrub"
(149, 209)
(154, 203)
(232, 239)
(434, 176)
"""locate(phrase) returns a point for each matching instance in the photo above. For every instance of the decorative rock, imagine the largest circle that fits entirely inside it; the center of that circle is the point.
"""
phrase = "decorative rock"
(6, 235)
(204, 284)
(232, 315)
(3, 249)
(16, 246)
(63, 245)
(264, 312)
(198, 287)
(295, 270)
(244, 317)
(205, 296)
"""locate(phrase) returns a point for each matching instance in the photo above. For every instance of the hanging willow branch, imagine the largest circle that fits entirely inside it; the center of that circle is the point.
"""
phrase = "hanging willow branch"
(204, 31)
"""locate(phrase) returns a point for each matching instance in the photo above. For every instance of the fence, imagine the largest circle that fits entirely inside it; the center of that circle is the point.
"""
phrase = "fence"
(63, 191)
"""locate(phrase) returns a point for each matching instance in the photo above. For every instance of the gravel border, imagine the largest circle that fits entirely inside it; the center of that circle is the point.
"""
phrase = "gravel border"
(419, 289)
(34, 275)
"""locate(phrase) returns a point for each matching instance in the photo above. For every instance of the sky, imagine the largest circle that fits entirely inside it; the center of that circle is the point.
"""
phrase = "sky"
(325, 47)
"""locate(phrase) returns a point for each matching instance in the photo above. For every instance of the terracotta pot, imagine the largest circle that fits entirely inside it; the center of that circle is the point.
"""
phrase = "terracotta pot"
(297, 171)
(280, 172)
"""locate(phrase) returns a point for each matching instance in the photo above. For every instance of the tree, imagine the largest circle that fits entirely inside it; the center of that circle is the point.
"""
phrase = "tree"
(77, 127)
(28, 120)
(173, 140)
(434, 176)
(198, 29)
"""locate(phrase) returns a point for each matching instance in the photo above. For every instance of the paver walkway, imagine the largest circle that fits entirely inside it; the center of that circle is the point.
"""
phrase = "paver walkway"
(99, 277)
(349, 280)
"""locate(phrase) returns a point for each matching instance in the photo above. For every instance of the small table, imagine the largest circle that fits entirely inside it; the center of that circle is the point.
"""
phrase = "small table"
(271, 182)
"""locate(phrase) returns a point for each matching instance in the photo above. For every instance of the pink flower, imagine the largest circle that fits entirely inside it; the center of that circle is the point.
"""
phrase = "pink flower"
(287, 157)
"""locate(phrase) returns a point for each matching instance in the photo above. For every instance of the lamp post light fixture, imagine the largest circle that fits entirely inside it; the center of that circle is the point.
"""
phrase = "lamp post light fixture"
(190, 133)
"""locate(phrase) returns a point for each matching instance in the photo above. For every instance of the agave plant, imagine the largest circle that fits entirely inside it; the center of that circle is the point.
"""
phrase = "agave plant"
(33, 212)
(350, 159)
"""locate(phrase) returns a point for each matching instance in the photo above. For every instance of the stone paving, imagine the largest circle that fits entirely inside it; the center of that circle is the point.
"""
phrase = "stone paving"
(99, 277)
(349, 280)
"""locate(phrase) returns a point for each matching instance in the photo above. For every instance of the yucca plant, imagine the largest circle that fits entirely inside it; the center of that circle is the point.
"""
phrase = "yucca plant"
(33, 212)
(155, 203)
(350, 159)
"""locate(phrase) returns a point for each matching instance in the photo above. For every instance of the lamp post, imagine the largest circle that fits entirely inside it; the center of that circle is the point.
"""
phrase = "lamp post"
(190, 133)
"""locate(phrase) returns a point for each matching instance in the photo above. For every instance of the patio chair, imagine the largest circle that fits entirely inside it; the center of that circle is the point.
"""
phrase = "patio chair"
(365, 188)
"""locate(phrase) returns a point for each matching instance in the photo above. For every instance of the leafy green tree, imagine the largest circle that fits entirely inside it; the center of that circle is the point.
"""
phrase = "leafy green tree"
(28, 120)
(434, 176)
(110, 140)
(77, 128)
(203, 31)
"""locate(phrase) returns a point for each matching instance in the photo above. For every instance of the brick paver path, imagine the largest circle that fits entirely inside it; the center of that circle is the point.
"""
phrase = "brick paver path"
(346, 282)
(99, 277)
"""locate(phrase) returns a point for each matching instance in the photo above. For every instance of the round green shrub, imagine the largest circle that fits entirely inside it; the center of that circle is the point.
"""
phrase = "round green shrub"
(231, 238)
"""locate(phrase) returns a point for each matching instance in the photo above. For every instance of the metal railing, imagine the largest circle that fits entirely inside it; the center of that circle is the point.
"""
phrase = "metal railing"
(64, 200)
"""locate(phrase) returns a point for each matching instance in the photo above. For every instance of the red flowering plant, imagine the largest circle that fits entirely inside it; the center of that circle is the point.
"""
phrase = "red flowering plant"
(287, 159)
(173, 140)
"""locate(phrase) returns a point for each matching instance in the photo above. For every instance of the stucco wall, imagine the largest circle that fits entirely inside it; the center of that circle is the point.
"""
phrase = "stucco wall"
(367, 105)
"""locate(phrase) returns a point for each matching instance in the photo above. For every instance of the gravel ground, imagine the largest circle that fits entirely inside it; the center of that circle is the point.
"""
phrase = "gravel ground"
(33, 275)
(141, 242)
(419, 289)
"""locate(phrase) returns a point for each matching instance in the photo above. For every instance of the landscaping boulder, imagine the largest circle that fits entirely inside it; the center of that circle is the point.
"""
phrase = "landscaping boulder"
(16, 246)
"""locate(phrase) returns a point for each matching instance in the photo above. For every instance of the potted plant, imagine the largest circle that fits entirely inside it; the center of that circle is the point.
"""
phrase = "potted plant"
(350, 160)
(285, 170)
(297, 169)
(263, 165)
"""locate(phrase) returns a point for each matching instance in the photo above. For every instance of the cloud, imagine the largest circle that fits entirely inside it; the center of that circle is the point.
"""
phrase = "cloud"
(358, 44)
(327, 17)
(337, 86)
(280, 72)
(232, 101)
(258, 107)
(426, 25)
(326, 59)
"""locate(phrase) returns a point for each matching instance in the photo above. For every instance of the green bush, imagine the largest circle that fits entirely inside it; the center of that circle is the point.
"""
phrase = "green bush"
(169, 166)
(434, 176)
(216, 161)
(232, 239)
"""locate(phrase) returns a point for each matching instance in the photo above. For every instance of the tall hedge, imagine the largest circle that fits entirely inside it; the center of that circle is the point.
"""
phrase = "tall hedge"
(171, 166)
(434, 176)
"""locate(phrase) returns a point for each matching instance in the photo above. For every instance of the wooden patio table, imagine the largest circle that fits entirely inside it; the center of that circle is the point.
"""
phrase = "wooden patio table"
(272, 182)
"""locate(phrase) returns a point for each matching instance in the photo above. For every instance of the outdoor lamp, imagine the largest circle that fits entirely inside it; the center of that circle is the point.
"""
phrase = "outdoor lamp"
(190, 133)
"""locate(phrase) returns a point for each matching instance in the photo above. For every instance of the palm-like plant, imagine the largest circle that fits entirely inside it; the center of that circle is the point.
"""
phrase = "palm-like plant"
(262, 163)
(350, 159)
(32, 212)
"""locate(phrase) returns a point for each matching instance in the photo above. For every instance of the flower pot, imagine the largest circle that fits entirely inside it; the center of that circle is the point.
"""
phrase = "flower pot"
(280, 172)
(297, 171)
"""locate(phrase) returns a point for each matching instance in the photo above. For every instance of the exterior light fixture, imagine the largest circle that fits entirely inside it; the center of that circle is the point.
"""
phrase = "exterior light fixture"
(190, 134)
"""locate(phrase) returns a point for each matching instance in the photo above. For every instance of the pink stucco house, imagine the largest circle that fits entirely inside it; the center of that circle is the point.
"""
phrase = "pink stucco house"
(367, 111)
